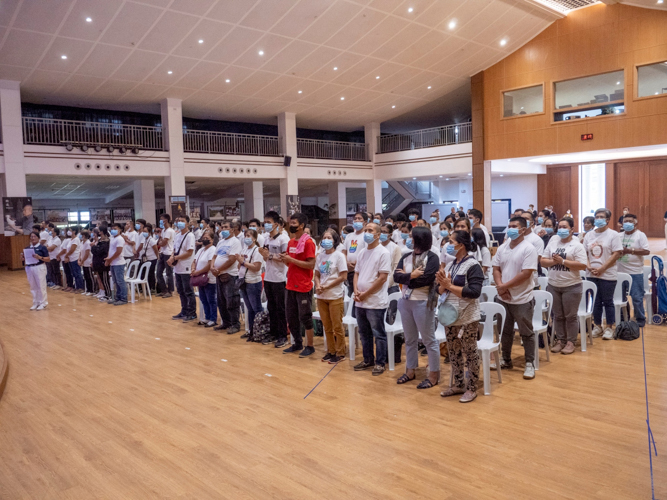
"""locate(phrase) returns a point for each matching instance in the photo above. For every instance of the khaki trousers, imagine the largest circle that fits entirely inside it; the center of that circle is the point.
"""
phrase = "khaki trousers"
(331, 314)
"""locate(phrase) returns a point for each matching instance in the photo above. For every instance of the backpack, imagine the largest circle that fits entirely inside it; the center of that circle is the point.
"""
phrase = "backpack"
(658, 291)
(261, 328)
(627, 330)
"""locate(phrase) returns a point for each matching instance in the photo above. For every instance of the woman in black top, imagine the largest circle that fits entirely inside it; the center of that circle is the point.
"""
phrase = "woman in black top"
(36, 271)
(100, 250)
(416, 272)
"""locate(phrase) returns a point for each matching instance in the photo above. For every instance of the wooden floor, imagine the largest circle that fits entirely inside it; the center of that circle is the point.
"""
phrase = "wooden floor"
(123, 403)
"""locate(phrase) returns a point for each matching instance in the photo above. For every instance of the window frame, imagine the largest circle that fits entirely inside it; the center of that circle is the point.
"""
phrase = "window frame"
(502, 101)
(635, 80)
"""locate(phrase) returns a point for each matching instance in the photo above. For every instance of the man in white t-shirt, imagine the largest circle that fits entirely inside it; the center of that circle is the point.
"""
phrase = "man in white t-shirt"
(354, 244)
(513, 268)
(275, 277)
(635, 246)
(534, 240)
(139, 226)
(116, 262)
(603, 248)
(166, 245)
(434, 222)
(181, 261)
(225, 268)
(475, 216)
(373, 265)
(131, 238)
(53, 247)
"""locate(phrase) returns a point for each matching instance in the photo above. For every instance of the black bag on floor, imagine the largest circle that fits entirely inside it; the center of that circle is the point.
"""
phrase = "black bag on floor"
(627, 330)
(261, 328)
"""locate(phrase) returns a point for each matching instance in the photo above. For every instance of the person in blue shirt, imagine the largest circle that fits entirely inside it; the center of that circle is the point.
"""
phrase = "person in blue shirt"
(36, 272)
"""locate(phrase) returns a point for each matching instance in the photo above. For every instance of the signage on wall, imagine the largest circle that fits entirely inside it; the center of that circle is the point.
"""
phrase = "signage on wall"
(586, 137)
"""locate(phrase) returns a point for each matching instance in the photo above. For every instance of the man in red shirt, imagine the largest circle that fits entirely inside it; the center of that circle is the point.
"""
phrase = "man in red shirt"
(300, 260)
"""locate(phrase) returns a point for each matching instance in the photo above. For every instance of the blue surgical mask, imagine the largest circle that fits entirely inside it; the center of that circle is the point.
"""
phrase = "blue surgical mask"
(540, 220)
(146, 235)
(358, 226)
(180, 225)
(224, 234)
(81, 237)
(405, 236)
(201, 226)
(433, 220)
(268, 227)
(384, 237)
(342, 237)
(413, 218)
(600, 222)
(161, 224)
(549, 230)
(369, 238)
(327, 244)
(114, 232)
(512, 233)
(451, 249)
(563, 233)
(628, 226)
(376, 221)
(137, 227)
(472, 221)
(247, 241)
(444, 233)
(408, 243)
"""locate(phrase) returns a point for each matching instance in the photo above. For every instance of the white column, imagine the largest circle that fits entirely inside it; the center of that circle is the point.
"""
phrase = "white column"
(374, 196)
(12, 138)
(144, 200)
(172, 132)
(254, 200)
(289, 186)
(374, 187)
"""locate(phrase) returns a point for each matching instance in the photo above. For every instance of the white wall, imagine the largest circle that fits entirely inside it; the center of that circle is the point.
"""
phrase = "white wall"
(521, 189)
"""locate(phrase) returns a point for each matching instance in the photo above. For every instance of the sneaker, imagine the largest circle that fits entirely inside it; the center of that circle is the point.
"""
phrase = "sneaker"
(187, 319)
(363, 366)
(568, 349)
(558, 346)
(293, 348)
(41, 307)
(103, 298)
(608, 334)
(597, 331)
(245, 335)
(378, 370)
(336, 359)
(233, 330)
(119, 303)
(504, 365)
(220, 327)
(529, 372)
(210, 324)
(307, 351)
(468, 397)
(267, 341)
(178, 316)
(280, 343)
(327, 357)
(166, 295)
(34, 306)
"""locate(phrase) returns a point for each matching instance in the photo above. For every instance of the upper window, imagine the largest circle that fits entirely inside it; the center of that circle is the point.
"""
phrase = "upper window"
(589, 96)
(652, 79)
(524, 101)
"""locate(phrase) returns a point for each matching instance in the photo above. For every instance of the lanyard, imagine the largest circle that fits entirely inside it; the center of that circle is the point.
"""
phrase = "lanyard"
(453, 273)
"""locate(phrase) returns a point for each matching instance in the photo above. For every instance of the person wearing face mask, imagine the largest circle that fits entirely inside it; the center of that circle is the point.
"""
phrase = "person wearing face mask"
(619, 224)
(635, 247)
(53, 247)
(330, 274)
(434, 222)
(199, 229)
(86, 262)
(536, 241)
(131, 238)
(35, 268)
(150, 253)
(405, 244)
(542, 217)
(475, 217)
(483, 254)
(377, 219)
(275, 277)
(224, 267)
(416, 273)
(565, 257)
(603, 248)
(256, 226)
(207, 291)
(371, 299)
(250, 272)
(513, 267)
(116, 262)
(69, 281)
(100, 250)
(181, 261)
(547, 231)
(354, 244)
(460, 286)
(166, 246)
(300, 260)
(72, 256)
(589, 225)
(139, 226)
(413, 216)
(400, 220)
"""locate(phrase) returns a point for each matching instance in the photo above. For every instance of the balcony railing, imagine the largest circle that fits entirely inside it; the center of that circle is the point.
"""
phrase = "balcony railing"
(49, 131)
(202, 141)
(426, 138)
(331, 150)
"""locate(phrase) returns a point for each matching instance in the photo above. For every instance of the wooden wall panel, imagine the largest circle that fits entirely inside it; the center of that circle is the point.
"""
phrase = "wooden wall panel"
(657, 199)
(560, 187)
(631, 191)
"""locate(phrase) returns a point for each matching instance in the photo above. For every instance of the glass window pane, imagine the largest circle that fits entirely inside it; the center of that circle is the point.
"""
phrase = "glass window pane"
(85, 216)
(590, 90)
(652, 79)
(591, 189)
(73, 216)
(523, 101)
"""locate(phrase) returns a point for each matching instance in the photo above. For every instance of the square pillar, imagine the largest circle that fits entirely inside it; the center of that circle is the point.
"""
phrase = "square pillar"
(254, 200)
(144, 200)
(172, 135)
(12, 139)
(374, 196)
(289, 185)
(337, 204)
(481, 170)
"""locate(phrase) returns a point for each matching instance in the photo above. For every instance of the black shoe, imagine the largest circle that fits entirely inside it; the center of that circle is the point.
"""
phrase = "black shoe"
(378, 370)
(201, 323)
(178, 316)
(293, 348)
(327, 357)
(336, 359)
(232, 330)
(267, 341)
(220, 327)
(245, 336)
(363, 366)
(166, 295)
(307, 351)
(187, 319)
(280, 343)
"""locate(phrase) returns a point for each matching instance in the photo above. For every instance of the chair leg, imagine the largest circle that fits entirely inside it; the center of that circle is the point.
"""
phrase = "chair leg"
(496, 354)
(590, 329)
(390, 350)
(546, 344)
(537, 352)
(486, 361)
(351, 334)
(583, 332)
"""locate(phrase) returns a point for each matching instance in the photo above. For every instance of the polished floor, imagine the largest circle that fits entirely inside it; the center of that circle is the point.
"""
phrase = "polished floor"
(123, 403)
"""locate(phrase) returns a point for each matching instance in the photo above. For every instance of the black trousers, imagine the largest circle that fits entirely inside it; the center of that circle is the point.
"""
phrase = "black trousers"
(54, 265)
(275, 303)
(299, 312)
(186, 294)
(229, 301)
(162, 266)
(89, 279)
(151, 274)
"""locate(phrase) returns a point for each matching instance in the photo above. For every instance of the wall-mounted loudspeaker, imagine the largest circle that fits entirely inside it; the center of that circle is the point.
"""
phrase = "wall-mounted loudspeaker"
(287, 161)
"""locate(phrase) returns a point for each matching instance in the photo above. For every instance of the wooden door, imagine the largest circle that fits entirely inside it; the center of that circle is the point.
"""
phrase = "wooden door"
(560, 188)
(631, 190)
(657, 199)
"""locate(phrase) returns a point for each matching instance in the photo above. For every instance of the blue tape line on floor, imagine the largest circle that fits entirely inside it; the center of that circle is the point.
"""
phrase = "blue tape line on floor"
(334, 366)
(651, 439)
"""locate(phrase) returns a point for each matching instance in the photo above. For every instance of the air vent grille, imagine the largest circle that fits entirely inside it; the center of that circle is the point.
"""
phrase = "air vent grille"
(566, 6)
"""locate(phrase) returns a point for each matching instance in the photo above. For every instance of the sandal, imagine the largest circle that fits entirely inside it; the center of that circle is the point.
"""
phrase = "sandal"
(451, 391)
(403, 379)
(426, 384)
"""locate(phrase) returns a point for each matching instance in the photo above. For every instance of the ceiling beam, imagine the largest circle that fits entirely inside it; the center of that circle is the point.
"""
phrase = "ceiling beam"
(118, 194)
(609, 2)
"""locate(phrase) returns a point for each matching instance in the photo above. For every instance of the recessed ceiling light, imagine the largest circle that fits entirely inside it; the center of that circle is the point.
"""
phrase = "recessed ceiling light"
(509, 160)
(503, 42)
(89, 20)
(342, 98)
(440, 176)
(335, 68)
(201, 41)
(300, 91)
(227, 80)
(447, 178)
(657, 93)
(377, 77)
(428, 88)
(452, 24)
(469, 174)
(618, 83)
(521, 107)
(393, 106)
(63, 57)
(261, 52)
(501, 175)
(659, 1)
(414, 178)
(169, 72)
(410, 9)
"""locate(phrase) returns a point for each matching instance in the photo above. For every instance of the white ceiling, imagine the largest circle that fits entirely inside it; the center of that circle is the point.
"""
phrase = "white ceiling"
(80, 187)
(121, 59)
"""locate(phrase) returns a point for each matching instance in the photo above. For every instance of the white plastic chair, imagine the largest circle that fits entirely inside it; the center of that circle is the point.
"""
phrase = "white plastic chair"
(352, 329)
(131, 270)
(543, 281)
(392, 330)
(585, 313)
(486, 345)
(488, 294)
(316, 314)
(543, 301)
(619, 303)
(582, 274)
(141, 278)
(647, 295)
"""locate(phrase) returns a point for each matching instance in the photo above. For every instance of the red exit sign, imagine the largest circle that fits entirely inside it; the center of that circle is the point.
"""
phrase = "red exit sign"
(586, 137)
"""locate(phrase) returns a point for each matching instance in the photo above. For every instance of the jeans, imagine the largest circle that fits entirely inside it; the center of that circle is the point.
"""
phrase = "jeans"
(118, 274)
(275, 296)
(565, 308)
(207, 295)
(187, 295)
(604, 299)
(637, 295)
(371, 326)
(229, 302)
(77, 275)
(252, 297)
(418, 319)
(522, 315)
(299, 311)
(331, 313)
(68, 275)
(162, 266)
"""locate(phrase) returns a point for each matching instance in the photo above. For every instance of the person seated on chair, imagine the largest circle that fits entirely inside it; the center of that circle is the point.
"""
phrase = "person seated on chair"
(635, 246)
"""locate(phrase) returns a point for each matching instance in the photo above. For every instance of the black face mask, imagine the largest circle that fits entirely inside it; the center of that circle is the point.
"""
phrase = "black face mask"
(293, 229)
(206, 242)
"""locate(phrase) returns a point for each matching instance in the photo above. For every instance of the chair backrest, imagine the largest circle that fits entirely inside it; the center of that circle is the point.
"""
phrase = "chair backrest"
(618, 291)
(348, 310)
(543, 281)
(488, 294)
(586, 306)
(647, 275)
(582, 274)
(396, 296)
(131, 271)
(491, 309)
(543, 301)
(143, 271)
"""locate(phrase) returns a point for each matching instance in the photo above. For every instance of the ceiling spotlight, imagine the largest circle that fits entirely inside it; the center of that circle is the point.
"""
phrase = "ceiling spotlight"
(469, 174)
(98, 148)
(452, 24)
(410, 9)
(521, 107)
(659, 1)
(657, 93)
(618, 83)
(122, 150)
(261, 52)
(300, 91)
(227, 80)
(110, 149)
(414, 178)
(169, 72)
(201, 41)
(342, 98)
(503, 42)
(428, 88)
(393, 106)
(447, 178)
(440, 176)
(335, 68)
(63, 56)
(89, 20)
(501, 175)
(69, 147)
(84, 147)
(377, 77)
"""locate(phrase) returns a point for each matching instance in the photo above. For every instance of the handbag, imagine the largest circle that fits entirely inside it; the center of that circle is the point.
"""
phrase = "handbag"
(199, 280)
(448, 313)
(240, 280)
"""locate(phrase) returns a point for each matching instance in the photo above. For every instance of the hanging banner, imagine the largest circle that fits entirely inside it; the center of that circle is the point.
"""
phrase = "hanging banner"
(179, 206)
(19, 218)
(58, 217)
(122, 215)
(100, 215)
(216, 212)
